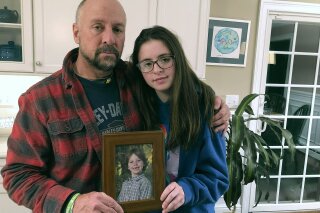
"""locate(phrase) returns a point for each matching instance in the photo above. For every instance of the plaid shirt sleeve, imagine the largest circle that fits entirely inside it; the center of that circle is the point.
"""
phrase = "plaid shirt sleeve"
(29, 157)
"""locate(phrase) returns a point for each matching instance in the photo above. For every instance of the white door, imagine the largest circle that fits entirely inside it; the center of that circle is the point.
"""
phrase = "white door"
(287, 69)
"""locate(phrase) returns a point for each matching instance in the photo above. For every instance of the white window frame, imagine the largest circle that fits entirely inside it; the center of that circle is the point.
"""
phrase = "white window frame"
(267, 9)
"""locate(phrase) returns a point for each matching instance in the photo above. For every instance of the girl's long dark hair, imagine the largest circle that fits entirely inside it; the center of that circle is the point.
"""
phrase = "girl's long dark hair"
(191, 100)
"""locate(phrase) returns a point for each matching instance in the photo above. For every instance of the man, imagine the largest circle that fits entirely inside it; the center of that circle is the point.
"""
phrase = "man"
(54, 150)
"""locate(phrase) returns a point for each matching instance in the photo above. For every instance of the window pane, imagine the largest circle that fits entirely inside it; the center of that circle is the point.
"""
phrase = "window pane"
(300, 100)
(299, 130)
(304, 68)
(293, 165)
(311, 190)
(310, 44)
(315, 133)
(274, 170)
(265, 186)
(278, 71)
(316, 111)
(269, 136)
(290, 189)
(319, 76)
(275, 102)
(281, 35)
(313, 165)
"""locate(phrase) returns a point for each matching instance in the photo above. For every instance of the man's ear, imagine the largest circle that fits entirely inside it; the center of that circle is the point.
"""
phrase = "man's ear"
(75, 29)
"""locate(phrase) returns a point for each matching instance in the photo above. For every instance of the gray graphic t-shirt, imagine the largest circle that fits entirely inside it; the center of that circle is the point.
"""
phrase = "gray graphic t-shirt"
(105, 102)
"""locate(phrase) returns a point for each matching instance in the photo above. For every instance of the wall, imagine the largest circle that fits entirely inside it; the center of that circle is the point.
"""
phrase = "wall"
(237, 80)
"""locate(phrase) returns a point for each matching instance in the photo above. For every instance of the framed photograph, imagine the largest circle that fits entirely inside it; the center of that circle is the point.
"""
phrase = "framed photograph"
(228, 41)
(133, 169)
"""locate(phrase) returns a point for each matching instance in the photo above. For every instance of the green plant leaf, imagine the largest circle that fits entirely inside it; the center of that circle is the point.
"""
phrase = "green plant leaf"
(240, 136)
(249, 148)
(234, 162)
(249, 110)
(289, 140)
(259, 190)
(244, 104)
(284, 133)
(262, 171)
(237, 129)
(259, 141)
(275, 157)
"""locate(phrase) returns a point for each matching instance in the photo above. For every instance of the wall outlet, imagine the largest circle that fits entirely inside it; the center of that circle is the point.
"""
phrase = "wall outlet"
(232, 101)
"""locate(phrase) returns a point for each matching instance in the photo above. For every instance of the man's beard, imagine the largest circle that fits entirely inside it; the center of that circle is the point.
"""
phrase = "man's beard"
(105, 64)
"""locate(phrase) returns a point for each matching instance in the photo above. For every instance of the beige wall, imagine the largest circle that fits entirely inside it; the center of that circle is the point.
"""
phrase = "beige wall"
(237, 80)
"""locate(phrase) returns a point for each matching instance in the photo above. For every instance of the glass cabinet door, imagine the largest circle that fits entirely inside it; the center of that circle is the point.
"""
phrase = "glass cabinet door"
(10, 26)
(15, 35)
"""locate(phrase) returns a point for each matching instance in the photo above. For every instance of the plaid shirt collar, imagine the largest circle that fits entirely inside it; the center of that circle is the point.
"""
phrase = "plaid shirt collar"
(137, 178)
(125, 81)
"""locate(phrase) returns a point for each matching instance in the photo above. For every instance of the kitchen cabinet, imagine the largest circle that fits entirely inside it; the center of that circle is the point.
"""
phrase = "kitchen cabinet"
(43, 31)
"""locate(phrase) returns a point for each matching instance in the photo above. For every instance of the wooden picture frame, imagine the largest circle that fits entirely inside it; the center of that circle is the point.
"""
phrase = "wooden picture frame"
(114, 165)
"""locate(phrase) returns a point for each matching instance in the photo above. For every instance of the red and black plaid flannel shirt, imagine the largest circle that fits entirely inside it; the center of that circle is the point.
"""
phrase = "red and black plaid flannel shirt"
(55, 145)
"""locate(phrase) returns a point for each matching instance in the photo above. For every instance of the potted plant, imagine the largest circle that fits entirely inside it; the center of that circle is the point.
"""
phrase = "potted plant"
(244, 147)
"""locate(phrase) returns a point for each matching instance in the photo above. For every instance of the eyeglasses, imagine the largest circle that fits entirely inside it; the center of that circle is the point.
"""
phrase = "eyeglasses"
(164, 62)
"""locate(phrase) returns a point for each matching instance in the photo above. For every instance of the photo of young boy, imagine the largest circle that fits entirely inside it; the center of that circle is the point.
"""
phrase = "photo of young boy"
(135, 184)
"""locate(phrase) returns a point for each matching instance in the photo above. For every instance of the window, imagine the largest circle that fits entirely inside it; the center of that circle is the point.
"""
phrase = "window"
(287, 69)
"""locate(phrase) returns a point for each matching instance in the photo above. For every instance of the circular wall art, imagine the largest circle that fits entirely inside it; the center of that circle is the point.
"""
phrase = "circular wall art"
(226, 41)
